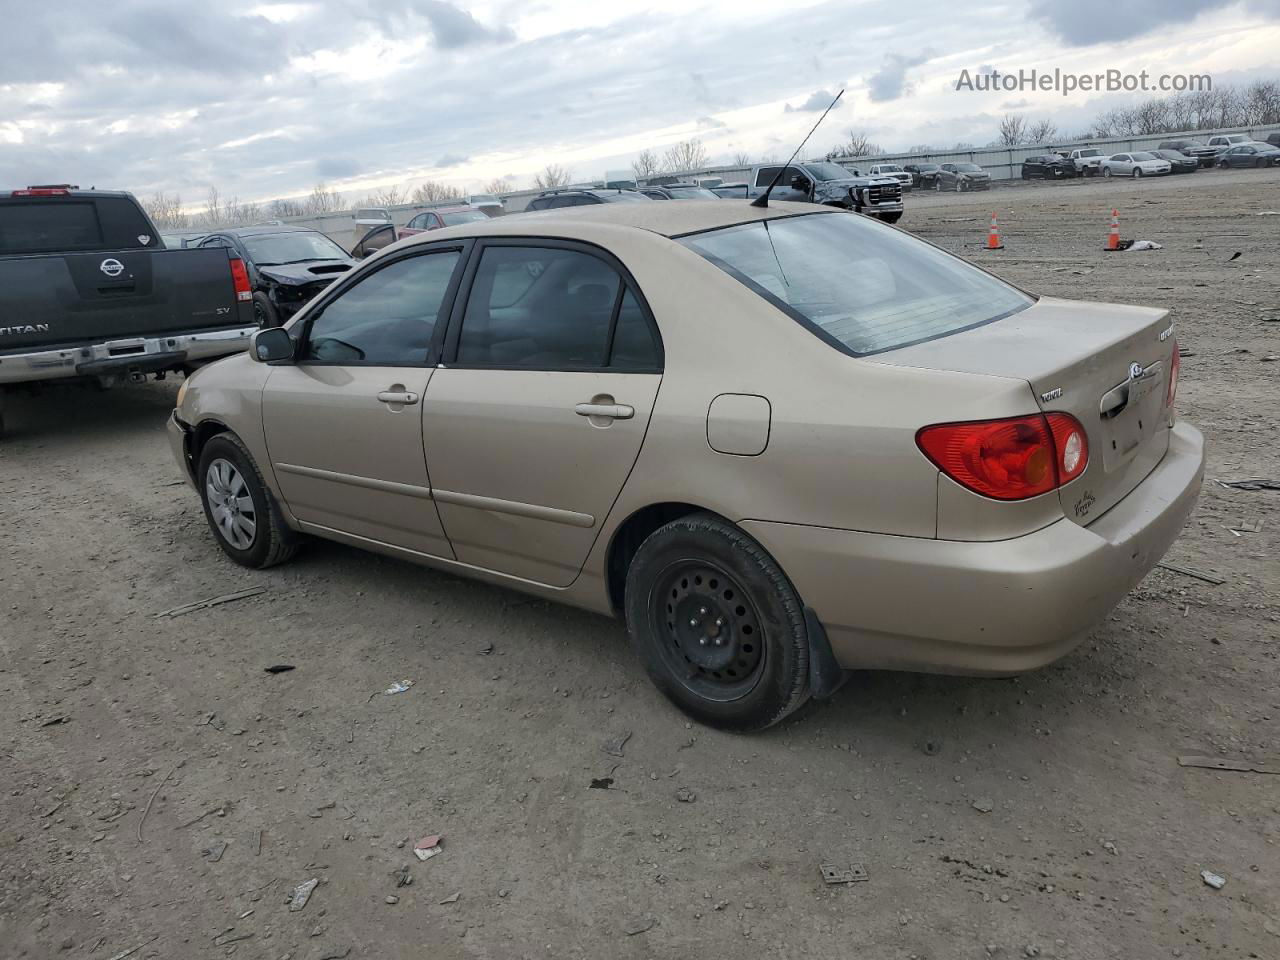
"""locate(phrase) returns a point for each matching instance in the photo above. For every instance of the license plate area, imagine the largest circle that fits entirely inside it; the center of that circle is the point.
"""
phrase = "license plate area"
(1135, 424)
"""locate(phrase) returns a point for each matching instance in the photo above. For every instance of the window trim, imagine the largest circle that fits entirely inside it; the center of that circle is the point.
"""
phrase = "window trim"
(458, 310)
(357, 276)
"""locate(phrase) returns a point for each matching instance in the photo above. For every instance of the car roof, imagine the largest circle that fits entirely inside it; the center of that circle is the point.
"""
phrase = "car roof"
(263, 229)
(598, 221)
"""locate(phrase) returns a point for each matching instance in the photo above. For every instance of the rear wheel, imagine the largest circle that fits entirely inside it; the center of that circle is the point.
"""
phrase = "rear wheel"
(240, 510)
(717, 625)
(1137, 173)
(959, 186)
(1260, 162)
(1106, 171)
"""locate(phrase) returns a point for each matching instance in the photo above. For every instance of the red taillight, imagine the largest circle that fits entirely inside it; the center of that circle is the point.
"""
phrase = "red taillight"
(1174, 364)
(1012, 459)
(41, 192)
(240, 277)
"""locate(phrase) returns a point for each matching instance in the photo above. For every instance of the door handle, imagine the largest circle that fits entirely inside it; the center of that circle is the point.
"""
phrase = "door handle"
(398, 396)
(611, 411)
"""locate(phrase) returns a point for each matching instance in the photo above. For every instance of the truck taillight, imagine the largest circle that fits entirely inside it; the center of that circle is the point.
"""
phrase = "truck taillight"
(240, 277)
(1174, 364)
(1012, 459)
(41, 192)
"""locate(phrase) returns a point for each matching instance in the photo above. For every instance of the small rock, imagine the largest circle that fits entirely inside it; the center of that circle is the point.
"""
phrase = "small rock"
(931, 747)
(1213, 880)
(1110, 847)
(984, 805)
(1031, 950)
(67, 943)
(1004, 898)
(685, 795)
(392, 898)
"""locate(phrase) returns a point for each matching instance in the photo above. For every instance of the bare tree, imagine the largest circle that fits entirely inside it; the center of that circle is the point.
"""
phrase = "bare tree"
(214, 211)
(166, 211)
(1041, 131)
(391, 196)
(742, 159)
(646, 164)
(432, 191)
(1013, 130)
(553, 176)
(323, 199)
(685, 155)
(285, 207)
(858, 144)
(497, 185)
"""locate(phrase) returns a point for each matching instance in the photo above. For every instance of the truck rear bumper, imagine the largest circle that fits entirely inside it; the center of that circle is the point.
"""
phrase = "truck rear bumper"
(109, 357)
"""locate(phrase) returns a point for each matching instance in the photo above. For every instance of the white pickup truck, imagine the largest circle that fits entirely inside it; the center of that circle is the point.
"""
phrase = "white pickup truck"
(892, 170)
(1087, 160)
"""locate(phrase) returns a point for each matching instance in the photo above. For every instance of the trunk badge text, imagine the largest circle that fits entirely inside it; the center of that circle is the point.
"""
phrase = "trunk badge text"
(1051, 395)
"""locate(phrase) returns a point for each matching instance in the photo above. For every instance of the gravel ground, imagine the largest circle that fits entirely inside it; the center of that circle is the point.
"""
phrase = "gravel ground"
(1042, 816)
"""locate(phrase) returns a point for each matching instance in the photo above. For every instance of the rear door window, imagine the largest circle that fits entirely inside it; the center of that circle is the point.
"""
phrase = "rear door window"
(551, 308)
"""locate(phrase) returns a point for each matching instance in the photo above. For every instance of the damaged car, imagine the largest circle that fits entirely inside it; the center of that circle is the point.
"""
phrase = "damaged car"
(287, 266)
(832, 185)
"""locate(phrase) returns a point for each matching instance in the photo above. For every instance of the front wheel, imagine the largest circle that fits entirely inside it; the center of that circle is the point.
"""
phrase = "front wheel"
(1106, 172)
(937, 186)
(717, 624)
(264, 311)
(890, 217)
(1137, 173)
(240, 510)
(959, 186)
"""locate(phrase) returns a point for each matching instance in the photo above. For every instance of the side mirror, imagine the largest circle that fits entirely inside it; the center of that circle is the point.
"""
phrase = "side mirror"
(800, 183)
(271, 344)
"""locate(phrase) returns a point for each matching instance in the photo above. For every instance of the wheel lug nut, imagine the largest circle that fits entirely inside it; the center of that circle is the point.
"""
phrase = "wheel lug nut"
(702, 641)
(703, 611)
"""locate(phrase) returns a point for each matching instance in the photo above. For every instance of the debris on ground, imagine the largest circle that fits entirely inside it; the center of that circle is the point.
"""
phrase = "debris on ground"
(213, 853)
(600, 783)
(280, 668)
(1212, 879)
(840, 873)
(230, 936)
(931, 747)
(335, 953)
(1248, 483)
(56, 721)
(984, 805)
(685, 795)
(400, 686)
(452, 898)
(1188, 572)
(428, 847)
(484, 648)
(391, 899)
(1239, 764)
(155, 793)
(403, 877)
(1110, 847)
(301, 894)
(613, 746)
(1247, 526)
(637, 925)
(1147, 245)
(132, 950)
(211, 602)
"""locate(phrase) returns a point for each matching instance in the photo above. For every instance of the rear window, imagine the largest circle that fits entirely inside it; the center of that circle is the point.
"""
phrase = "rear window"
(859, 285)
(46, 226)
(462, 216)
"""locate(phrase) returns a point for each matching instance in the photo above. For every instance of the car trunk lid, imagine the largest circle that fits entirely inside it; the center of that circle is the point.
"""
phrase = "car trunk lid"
(1108, 365)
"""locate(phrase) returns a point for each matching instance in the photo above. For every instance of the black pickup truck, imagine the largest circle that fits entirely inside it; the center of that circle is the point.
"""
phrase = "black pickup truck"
(89, 292)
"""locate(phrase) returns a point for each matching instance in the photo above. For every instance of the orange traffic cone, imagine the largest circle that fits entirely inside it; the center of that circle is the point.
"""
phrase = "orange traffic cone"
(1113, 238)
(993, 236)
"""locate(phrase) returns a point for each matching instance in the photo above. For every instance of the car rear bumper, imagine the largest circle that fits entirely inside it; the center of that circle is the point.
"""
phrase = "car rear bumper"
(123, 355)
(986, 608)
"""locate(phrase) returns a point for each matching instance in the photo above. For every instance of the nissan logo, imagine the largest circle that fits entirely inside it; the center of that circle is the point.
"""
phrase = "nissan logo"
(1135, 368)
(111, 267)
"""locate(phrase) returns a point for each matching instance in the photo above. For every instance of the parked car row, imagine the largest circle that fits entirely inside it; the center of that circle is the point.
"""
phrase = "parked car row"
(1172, 156)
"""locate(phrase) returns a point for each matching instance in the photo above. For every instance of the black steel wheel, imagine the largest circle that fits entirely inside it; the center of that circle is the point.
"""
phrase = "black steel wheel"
(717, 624)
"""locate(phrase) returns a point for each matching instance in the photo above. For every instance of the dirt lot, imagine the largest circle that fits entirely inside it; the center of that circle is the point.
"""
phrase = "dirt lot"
(1040, 816)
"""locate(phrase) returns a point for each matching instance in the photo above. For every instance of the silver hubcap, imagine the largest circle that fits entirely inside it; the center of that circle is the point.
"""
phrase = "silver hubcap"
(230, 504)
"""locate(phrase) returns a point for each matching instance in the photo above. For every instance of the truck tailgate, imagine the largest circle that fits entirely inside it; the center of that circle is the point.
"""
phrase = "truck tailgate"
(64, 299)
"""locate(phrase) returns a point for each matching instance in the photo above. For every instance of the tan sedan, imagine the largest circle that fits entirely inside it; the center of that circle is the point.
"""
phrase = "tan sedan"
(782, 443)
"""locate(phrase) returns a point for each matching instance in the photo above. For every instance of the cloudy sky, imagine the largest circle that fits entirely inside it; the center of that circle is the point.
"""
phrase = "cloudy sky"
(265, 99)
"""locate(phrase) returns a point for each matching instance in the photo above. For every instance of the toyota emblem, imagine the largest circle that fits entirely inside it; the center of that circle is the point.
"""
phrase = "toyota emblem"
(111, 267)
(1135, 370)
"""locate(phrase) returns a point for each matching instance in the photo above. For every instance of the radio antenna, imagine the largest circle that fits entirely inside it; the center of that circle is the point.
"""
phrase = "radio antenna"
(763, 199)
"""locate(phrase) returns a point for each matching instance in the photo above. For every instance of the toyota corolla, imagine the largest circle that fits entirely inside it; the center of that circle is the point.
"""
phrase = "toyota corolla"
(781, 443)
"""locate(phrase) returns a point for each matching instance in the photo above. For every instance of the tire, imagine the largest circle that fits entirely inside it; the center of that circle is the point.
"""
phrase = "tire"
(959, 186)
(1260, 163)
(264, 311)
(1106, 172)
(1025, 175)
(937, 186)
(893, 217)
(700, 579)
(225, 465)
(1137, 173)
